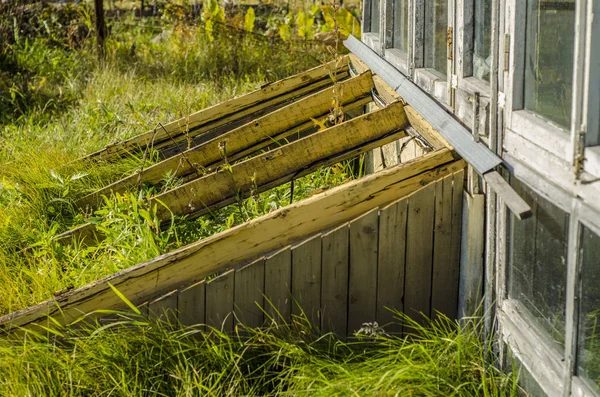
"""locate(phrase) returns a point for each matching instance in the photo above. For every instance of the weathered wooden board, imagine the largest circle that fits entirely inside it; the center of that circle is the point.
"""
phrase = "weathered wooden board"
(191, 304)
(270, 232)
(419, 254)
(240, 140)
(421, 125)
(165, 308)
(219, 301)
(273, 168)
(513, 201)
(266, 97)
(249, 287)
(444, 282)
(391, 264)
(457, 208)
(334, 284)
(362, 305)
(278, 285)
(471, 256)
(288, 160)
(306, 279)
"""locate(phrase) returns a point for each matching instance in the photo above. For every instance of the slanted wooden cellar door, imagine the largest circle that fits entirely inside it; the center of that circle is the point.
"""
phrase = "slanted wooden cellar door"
(349, 255)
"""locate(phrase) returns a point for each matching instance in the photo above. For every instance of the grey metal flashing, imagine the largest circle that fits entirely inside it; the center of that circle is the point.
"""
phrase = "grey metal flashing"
(477, 154)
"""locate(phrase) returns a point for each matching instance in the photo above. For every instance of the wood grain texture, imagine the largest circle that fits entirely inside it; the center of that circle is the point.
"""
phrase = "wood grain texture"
(391, 264)
(444, 282)
(249, 287)
(265, 97)
(278, 286)
(457, 208)
(419, 253)
(334, 285)
(272, 231)
(272, 168)
(261, 130)
(219, 301)
(362, 305)
(191, 304)
(164, 308)
(306, 279)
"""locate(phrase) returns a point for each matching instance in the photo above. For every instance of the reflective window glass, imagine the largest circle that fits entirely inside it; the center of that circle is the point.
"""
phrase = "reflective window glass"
(537, 260)
(482, 39)
(374, 16)
(588, 357)
(436, 28)
(550, 38)
(400, 37)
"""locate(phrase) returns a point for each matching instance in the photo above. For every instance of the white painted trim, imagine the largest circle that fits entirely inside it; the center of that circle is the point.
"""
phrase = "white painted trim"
(591, 164)
(580, 388)
(398, 59)
(548, 170)
(372, 40)
(542, 186)
(590, 218)
(572, 307)
(433, 83)
(542, 133)
(532, 347)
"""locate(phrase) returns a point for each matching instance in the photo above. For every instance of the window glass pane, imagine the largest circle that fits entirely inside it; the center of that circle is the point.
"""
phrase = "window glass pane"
(436, 27)
(374, 16)
(482, 38)
(537, 258)
(550, 40)
(400, 38)
(588, 357)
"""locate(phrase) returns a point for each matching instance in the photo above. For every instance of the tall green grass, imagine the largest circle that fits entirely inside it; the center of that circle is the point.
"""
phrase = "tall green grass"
(135, 356)
(58, 103)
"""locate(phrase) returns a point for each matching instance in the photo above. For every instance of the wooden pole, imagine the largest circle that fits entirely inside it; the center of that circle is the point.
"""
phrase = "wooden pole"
(100, 28)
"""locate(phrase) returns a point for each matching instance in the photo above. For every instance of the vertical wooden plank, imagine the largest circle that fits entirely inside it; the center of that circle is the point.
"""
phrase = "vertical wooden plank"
(391, 263)
(362, 304)
(164, 308)
(471, 256)
(249, 287)
(457, 207)
(191, 304)
(306, 279)
(219, 301)
(444, 283)
(419, 253)
(334, 283)
(278, 282)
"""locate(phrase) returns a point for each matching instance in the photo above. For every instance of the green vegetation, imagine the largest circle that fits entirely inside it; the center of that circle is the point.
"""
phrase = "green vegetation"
(132, 357)
(58, 102)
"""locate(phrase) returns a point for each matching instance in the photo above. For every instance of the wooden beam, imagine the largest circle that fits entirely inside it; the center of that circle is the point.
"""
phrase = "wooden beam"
(272, 168)
(265, 97)
(230, 145)
(249, 240)
(513, 201)
(421, 125)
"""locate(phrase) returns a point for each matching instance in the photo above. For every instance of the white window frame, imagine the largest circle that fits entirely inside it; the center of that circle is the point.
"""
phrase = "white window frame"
(400, 60)
(553, 370)
(372, 39)
(426, 78)
(478, 92)
(544, 146)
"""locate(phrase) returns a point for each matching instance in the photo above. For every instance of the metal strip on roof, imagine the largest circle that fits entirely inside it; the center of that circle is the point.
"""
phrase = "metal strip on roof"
(475, 153)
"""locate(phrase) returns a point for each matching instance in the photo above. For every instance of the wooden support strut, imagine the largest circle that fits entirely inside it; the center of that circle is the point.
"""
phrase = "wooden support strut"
(275, 230)
(266, 97)
(235, 144)
(273, 168)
